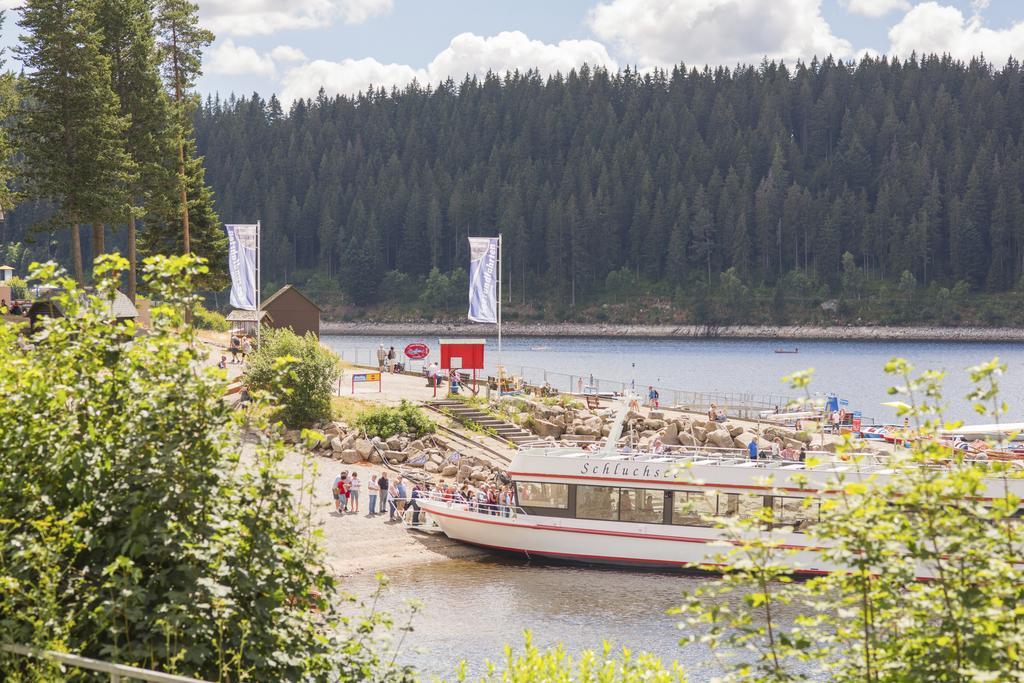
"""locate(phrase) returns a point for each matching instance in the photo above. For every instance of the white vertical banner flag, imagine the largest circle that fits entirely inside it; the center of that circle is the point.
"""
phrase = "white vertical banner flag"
(483, 278)
(242, 256)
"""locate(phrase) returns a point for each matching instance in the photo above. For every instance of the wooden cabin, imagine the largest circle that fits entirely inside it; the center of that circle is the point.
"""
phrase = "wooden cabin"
(289, 307)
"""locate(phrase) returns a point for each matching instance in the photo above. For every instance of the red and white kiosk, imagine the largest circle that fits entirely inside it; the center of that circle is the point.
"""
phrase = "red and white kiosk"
(463, 354)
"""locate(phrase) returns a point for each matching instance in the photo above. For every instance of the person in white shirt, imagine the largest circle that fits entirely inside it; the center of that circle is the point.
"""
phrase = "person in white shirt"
(374, 488)
(353, 493)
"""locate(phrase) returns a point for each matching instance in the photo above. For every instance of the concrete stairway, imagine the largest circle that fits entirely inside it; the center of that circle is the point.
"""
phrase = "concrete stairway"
(505, 431)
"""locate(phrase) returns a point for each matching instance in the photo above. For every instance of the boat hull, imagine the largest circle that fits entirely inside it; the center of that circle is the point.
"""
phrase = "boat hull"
(587, 542)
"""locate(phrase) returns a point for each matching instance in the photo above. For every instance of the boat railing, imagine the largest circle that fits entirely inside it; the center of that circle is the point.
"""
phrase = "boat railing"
(472, 504)
(737, 457)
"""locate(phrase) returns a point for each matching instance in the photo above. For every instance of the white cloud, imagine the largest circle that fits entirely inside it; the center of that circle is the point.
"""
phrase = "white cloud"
(359, 11)
(665, 32)
(227, 59)
(260, 17)
(287, 53)
(510, 50)
(875, 8)
(931, 27)
(346, 76)
(466, 53)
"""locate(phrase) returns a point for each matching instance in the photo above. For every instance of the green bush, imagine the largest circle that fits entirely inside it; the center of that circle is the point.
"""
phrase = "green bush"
(131, 530)
(298, 371)
(386, 421)
(210, 320)
(555, 664)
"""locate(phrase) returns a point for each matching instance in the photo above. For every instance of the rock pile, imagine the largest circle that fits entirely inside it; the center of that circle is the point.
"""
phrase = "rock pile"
(430, 453)
(555, 422)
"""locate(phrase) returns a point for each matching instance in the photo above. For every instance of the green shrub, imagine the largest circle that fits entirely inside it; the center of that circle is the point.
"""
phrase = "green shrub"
(210, 320)
(131, 530)
(386, 421)
(555, 664)
(298, 371)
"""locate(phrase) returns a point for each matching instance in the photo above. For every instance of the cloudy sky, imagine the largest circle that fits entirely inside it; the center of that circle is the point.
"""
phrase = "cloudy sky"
(293, 47)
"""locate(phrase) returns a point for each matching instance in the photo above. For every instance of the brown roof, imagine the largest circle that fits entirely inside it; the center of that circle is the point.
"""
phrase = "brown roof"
(297, 291)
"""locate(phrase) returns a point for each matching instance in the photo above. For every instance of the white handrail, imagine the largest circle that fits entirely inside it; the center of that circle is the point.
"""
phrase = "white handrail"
(118, 672)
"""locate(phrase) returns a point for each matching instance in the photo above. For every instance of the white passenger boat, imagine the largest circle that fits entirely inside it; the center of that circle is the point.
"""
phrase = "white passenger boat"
(655, 509)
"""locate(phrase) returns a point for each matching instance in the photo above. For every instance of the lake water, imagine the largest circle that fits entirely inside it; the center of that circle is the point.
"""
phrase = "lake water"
(472, 608)
(853, 370)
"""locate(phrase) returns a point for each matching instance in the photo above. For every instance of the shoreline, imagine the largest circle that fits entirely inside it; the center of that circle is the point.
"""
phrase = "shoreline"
(764, 332)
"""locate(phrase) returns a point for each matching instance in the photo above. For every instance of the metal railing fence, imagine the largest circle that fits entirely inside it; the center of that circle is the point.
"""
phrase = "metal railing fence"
(119, 673)
(734, 404)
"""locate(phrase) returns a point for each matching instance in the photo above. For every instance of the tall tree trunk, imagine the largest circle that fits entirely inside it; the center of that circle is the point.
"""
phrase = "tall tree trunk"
(184, 195)
(132, 258)
(76, 253)
(99, 242)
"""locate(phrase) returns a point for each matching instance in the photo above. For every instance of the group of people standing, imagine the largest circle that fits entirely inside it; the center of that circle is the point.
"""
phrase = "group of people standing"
(387, 360)
(395, 495)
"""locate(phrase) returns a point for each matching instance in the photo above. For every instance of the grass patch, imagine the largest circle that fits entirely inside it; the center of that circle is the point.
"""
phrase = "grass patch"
(348, 409)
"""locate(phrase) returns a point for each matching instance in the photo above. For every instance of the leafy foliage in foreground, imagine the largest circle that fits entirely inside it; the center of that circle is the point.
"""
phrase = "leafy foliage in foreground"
(385, 421)
(131, 528)
(556, 666)
(873, 620)
(305, 386)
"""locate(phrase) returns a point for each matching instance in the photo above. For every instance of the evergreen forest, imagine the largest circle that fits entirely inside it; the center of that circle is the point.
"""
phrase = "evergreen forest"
(892, 186)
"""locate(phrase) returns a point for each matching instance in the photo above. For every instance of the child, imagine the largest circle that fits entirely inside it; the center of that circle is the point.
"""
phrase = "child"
(223, 364)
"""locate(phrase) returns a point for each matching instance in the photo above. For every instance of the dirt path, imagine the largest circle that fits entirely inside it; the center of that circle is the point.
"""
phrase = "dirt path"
(357, 542)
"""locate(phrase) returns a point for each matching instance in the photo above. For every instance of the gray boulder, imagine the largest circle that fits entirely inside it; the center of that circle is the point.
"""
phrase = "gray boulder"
(432, 467)
(720, 438)
(544, 429)
(364, 447)
(449, 470)
(656, 415)
(396, 456)
(394, 443)
(654, 424)
(685, 439)
(671, 435)
(337, 445)
(699, 433)
(351, 457)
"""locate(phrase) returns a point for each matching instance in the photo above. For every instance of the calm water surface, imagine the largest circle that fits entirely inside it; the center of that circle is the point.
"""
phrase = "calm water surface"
(471, 609)
(851, 369)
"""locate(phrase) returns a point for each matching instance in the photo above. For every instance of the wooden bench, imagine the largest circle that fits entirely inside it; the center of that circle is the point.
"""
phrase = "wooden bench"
(593, 401)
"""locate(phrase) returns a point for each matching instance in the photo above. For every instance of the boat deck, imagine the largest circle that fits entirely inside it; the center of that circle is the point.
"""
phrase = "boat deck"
(820, 461)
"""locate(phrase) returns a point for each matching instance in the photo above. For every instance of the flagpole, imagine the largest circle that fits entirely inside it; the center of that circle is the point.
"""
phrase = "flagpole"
(499, 297)
(259, 278)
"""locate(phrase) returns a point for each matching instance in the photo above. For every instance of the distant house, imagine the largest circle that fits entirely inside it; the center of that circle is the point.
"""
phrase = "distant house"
(289, 307)
(244, 322)
(120, 306)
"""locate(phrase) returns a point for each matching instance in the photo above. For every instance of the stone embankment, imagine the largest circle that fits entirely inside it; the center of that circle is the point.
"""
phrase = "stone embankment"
(573, 423)
(431, 454)
(756, 332)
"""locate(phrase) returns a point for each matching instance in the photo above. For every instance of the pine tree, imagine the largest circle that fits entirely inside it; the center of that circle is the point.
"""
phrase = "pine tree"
(71, 130)
(181, 43)
(129, 42)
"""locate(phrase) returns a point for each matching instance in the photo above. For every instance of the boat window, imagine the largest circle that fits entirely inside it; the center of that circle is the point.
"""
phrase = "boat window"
(693, 508)
(799, 513)
(543, 495)
(742, 505)
(597, 502)
(641, 505)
